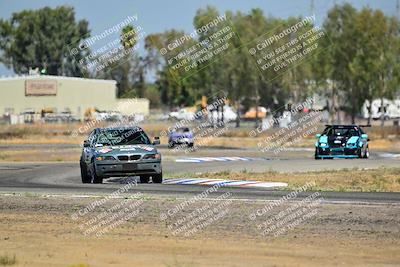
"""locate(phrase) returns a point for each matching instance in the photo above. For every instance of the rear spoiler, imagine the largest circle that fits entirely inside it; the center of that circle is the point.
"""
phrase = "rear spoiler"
(327, 125)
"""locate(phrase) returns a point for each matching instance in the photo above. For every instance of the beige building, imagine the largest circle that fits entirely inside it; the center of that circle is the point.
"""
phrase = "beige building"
(62, 94)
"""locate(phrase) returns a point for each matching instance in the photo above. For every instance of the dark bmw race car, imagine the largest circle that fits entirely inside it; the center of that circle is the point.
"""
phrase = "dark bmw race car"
(115, 152)
(342, 141)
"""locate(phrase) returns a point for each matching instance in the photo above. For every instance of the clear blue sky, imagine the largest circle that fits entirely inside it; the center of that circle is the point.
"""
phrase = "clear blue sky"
(157, 16)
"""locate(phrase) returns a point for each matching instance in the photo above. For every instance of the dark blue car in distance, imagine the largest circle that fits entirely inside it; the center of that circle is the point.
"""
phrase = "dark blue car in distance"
(181, 136)
(342, 141)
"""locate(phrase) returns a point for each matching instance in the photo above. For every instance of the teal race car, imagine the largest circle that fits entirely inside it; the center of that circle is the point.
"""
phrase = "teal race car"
(120, 152)
(342, 141)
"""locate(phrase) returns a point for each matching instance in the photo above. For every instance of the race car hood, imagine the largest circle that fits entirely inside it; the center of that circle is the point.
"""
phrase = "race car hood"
(353, 140)
(340, 140)
(126, 149)
(337, 140)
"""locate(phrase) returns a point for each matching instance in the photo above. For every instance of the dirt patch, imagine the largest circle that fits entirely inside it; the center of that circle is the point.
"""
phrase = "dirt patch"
(41, 232)
(42, 155)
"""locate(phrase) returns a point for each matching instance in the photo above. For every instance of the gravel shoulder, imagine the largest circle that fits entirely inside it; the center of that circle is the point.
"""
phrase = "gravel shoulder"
(41, 232)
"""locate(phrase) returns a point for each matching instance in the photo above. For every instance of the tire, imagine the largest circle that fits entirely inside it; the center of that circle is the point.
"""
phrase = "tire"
(366, 153)
(316, 156)
(144, 179)
(190, 145)
(84, 174)
(157, 178)
(359, 153)
(94, 177)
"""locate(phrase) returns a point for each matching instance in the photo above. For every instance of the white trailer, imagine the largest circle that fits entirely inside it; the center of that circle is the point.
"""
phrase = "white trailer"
(389, 110)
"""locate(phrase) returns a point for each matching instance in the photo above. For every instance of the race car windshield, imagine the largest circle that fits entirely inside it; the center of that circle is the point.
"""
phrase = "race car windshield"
(343, 132)
(123, 137)
(183, 130)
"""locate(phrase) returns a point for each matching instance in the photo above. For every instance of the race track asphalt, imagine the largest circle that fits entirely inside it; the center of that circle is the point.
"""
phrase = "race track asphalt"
(64, 178)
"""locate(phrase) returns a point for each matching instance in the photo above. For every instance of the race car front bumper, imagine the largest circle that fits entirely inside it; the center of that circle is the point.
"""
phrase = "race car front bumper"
(341, 152)
(182, 141)
(127, 168)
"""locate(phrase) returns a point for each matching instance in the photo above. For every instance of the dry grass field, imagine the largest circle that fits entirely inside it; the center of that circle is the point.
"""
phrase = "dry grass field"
(345, 180)
(233, 137)
(38, 231)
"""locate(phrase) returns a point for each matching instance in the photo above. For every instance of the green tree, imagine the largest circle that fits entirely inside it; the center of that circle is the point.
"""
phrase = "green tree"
(365, 65)
(362, 61)
(174, 91)
(130, 69)
(341, 29)
(388, 61)
(43, 39)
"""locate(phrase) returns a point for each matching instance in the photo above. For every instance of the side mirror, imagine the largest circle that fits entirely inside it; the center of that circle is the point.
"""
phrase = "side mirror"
(86, 143)
(318, 135)
(156, 140)
(364, 136)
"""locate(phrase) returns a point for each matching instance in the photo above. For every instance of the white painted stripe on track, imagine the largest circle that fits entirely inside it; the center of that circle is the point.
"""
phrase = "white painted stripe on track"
(273, 184)
(188, 160)
(211, 159)
(230, 158)
(326, 201)
(217, 159)
(389, 155)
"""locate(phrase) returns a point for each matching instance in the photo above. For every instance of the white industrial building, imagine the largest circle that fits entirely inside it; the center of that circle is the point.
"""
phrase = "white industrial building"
(34, 94)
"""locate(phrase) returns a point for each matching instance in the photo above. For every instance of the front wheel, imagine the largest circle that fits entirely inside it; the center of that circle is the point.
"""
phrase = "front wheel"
(171, 144)
(366, 153)
(144, 179)
(84, 173)
(316, 155)
(157, 178)
(94, 177)
(359, 153)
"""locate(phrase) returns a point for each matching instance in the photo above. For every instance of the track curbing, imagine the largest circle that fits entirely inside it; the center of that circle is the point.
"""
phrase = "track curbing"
(224, 183)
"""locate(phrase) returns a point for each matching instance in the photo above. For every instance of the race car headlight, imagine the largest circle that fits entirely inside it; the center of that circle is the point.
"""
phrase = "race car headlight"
(351, 144)
(101, 158)
(152, 156)
(323, 144)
